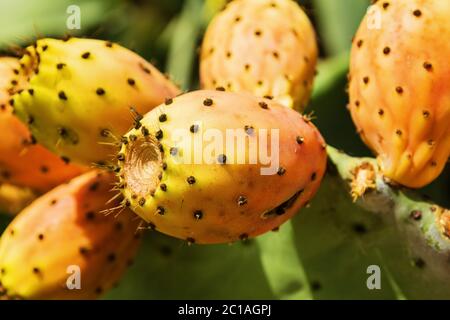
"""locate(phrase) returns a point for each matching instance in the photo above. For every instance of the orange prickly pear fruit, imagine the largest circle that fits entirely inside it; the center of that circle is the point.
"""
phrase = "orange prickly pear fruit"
(266, 47)
(22, 161)
(399, 88)
(210, 186)
(64, 232)
(82, 93)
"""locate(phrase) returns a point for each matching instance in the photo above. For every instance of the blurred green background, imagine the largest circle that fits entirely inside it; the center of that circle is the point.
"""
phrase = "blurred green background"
(279, 265)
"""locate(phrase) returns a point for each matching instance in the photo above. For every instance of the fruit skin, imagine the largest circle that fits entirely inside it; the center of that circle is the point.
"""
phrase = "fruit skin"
(267, 47)
(399, 93)
(22, 162)
(217, 203)
(82, 94)
(63, 228)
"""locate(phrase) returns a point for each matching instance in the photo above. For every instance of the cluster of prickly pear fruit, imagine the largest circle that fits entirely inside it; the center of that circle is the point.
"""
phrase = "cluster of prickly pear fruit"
(66, 233)
(399, 92)
(22, 161)
(266, 47)
(193, 189)
(82, 95)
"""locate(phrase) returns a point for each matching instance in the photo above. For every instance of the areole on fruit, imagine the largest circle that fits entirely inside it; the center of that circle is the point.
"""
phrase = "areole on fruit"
(143, 166)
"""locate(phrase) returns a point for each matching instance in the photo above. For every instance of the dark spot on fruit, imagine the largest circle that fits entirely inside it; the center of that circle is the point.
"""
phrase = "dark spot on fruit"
(164, 166)
(104, 133)
(258, 33)
(242, 200)
(300, 139)
(44, 169)
(118, 226)
(62, 95)
(385, 5)
(249, 130)
(243, 237)
(416, 215)
(53, 202)
(194, 128)
(417, 13)
(360, 43)
(381, 112)
(228, 54)
(158, 134)
(131, 82)
(313, 176)
(160, 210)
(191, 180)
(428, 66)
(426, 114)
(198, 214)
(111, 257)
(220, 89)
(281, 171)
(190, 241)
(65, 159)
(83, 251)
(100, 91)
(36, 270)
(162, 118)
(387, 50)
(222, 159)
(41, 237)
(247, 67)
(168, 101)
(163, 186)
(366, 80)
(399, 90)
(208, 102)
(141, 202)
(419, 263)
(398, 132)
(121, 157)
(263, 105)
(44, 47)
(94, 186)
(173, 151)
(144, 68)
(59, 66)
(109, 44)
(86, 55)
(90, 215)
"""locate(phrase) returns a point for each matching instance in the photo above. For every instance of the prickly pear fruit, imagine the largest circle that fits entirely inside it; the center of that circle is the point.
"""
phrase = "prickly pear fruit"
(22, 161)
(81, 92)
(267, 47)
(192, 170)
(399, 92)
(14, 199)
(65, 232)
